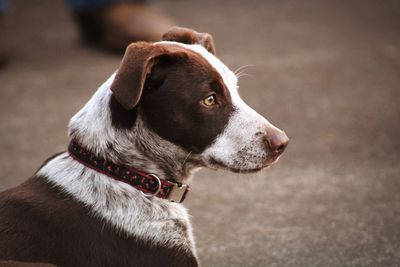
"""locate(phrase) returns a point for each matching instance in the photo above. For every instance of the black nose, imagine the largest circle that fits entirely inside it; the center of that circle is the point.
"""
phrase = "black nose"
(277, 141)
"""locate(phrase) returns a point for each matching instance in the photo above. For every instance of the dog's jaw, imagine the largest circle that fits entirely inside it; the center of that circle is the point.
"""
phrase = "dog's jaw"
(241, 147)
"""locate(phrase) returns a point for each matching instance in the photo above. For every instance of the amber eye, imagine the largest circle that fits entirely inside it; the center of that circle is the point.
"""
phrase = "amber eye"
(209, 100)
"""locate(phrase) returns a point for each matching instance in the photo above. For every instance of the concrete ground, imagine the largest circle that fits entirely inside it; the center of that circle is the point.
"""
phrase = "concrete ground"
(327, 72)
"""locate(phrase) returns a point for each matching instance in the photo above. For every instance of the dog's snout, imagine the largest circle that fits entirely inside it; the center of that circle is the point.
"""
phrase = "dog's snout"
(277, 141)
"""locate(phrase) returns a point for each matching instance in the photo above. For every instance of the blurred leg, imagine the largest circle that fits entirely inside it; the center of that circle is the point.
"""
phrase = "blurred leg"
(2, 42)
(115, 24)
(88, 4)
(2, 6)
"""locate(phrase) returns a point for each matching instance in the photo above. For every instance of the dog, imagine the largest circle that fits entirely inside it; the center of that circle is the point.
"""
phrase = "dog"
(114, 197)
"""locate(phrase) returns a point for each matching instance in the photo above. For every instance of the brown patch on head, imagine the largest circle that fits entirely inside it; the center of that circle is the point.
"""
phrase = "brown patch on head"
(168, 82)
(172, 101)
(189, 36)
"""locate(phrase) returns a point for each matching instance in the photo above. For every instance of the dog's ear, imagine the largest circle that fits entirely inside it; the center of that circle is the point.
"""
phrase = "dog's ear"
(135, 67)
(188, 36)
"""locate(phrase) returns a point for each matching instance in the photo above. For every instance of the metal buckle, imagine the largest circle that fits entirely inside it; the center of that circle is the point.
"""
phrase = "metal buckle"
(177, 192)
(158, 188)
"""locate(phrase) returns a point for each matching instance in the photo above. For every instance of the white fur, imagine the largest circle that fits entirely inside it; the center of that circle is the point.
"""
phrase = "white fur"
(151, 219)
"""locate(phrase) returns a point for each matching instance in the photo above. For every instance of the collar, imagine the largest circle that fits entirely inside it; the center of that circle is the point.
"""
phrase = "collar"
(149, 184)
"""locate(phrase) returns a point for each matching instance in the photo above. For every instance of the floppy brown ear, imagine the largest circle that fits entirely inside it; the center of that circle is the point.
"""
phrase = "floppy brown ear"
(188, 36)
(136, 64)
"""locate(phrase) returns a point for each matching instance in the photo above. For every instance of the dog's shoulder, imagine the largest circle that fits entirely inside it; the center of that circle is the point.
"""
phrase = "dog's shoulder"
(24, 224)
(20, 217)
(18, 203)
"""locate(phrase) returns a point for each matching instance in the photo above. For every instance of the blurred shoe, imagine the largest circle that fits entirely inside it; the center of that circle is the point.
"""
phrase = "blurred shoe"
(116, 26)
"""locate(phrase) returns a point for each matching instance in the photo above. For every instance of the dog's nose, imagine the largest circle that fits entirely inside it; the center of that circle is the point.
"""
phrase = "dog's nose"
(277, 141)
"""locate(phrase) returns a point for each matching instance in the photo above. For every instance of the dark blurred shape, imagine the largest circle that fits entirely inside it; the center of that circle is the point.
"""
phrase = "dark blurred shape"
(109, 24)
(117, 25)
(3, 50)
(24, 264)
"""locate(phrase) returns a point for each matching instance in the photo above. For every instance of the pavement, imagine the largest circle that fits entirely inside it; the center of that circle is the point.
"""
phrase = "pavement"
(327, 72)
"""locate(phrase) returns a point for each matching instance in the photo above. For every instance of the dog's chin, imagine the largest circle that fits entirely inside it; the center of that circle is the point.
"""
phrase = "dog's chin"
(254, 167)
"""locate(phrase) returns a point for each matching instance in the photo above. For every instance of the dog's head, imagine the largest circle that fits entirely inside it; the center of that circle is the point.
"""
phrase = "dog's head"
(189, 97)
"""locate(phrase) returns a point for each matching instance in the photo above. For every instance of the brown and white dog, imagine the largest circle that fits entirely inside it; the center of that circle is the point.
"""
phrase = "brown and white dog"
(171, 108)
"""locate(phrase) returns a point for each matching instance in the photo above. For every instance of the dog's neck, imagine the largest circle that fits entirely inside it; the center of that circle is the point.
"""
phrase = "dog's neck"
(125, 207)
(138, 147)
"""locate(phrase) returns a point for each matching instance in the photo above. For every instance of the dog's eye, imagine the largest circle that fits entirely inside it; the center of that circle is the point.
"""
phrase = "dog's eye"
(209, 100)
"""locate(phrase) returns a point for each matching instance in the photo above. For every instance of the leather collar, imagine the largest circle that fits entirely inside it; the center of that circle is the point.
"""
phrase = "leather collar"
(149, 184)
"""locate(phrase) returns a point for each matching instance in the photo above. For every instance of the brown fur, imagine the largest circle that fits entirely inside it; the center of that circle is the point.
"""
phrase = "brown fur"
(172, 105)
(188, 36)
(24, 264)
(136, 64)
(41, 223)
(140, 57)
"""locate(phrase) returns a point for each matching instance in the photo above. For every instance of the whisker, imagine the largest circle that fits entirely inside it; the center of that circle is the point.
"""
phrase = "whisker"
(241, 74)
(243, 67)
(183, 164)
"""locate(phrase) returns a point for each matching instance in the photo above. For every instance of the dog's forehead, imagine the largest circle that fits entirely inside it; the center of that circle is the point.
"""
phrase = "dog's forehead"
(229, 78)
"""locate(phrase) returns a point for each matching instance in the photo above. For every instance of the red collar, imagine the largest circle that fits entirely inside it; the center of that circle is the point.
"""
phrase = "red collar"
(149, 184)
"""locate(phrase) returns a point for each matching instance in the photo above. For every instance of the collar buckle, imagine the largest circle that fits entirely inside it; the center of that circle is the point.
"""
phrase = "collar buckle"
(158, 187)
(178, 192)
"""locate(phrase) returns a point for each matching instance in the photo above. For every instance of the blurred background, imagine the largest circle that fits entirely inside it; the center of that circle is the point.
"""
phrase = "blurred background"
(326, 72)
